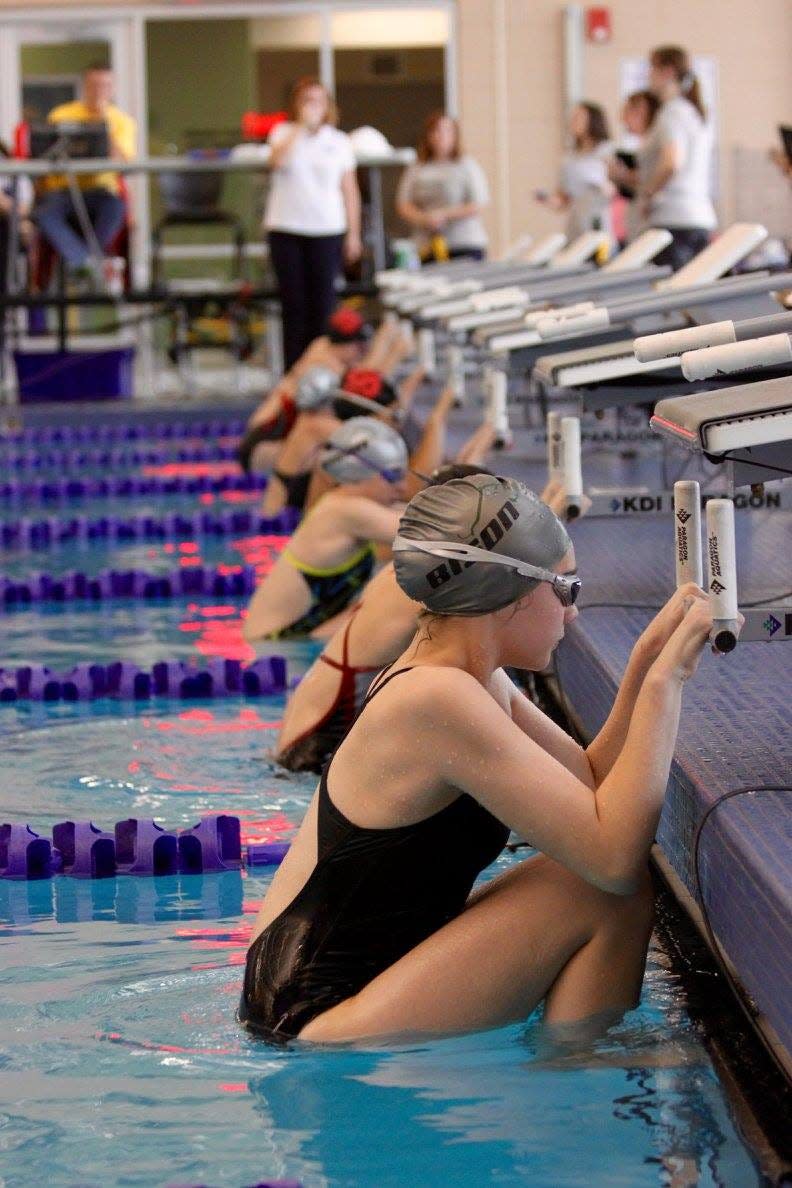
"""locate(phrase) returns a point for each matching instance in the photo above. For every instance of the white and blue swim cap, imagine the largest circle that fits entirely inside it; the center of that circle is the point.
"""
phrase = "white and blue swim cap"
(316, 387)
(363, 447)
(497, 515)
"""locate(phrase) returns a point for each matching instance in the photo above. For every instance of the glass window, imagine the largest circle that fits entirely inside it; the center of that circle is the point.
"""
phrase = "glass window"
(390, 73)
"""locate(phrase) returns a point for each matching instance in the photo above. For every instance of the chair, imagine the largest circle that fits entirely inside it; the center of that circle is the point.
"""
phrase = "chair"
(190, 200)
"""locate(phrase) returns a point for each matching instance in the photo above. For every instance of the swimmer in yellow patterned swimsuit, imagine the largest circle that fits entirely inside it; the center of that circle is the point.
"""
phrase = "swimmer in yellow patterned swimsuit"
(331, 556)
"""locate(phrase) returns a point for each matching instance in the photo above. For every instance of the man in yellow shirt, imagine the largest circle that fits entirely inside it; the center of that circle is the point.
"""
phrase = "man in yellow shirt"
(54, 211)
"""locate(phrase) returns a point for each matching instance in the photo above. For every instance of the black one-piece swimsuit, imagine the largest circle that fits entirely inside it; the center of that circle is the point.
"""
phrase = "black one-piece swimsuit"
(373, 895)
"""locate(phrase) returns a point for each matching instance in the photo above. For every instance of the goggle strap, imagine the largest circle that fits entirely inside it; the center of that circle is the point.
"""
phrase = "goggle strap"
(457, 551)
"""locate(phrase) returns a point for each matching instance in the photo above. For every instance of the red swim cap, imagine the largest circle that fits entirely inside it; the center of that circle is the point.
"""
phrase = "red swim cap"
(347, 325)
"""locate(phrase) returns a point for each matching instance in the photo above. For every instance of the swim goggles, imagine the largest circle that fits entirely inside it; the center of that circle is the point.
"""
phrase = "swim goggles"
(354, 450)
(565, 588)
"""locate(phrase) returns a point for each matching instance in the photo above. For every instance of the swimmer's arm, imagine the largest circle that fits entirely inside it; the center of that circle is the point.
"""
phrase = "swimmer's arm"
(409, 386)
(604, 838)
(430, 451)
(366, 520)
(388, 348)
(475, 450)
(548, 734)
(605, 748)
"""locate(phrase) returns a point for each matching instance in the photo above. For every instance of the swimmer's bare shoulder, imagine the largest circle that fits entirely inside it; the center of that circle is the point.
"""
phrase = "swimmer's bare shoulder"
(464, 737)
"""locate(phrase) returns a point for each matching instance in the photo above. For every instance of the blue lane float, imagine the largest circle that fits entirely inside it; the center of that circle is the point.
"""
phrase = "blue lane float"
(128, 583)
(127, 486)
(175, 679)
(50, 531)
(71, 459)
(137, 846)
(107, 433)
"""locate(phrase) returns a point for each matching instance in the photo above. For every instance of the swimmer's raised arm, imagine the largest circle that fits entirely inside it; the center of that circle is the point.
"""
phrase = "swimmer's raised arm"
(409, 386)
(548, 734)
(604, 750)
(604, 838)
(430, 451)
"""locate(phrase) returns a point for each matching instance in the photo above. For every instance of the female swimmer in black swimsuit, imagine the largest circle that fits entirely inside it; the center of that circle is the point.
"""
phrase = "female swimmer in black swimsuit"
(369, 930)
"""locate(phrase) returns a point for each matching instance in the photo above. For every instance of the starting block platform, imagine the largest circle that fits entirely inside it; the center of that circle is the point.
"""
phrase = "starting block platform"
(735, 733)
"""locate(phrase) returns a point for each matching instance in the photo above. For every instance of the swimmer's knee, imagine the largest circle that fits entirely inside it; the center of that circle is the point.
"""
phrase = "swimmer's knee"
(635, 907)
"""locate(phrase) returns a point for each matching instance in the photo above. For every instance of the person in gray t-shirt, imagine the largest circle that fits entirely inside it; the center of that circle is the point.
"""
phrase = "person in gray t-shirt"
(442, 195)
(674, 163)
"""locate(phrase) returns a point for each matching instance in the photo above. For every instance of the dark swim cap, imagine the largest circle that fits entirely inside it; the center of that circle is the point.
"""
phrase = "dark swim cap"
(497, 514)
(455, 470)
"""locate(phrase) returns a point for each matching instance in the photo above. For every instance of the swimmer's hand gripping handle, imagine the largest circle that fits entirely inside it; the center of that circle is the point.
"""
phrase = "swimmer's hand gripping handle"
(772, 351)
(572, 463)
(722, 575)
(687, 532)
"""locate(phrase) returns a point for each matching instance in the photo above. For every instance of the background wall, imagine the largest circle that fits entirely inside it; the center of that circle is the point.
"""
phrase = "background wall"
(510, 86)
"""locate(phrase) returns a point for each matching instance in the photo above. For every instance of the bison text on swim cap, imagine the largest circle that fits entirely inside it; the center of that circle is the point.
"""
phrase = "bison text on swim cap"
(498, 514)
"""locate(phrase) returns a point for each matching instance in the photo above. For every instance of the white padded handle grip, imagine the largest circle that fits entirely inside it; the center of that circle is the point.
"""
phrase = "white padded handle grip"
(559, 314)
(595, 319)
(456, 372)
(738, 356)
(722, 574)
(573, 468)
(673, 342)
(497, 298)
(555, 447)
(426, 351)
(687, 532)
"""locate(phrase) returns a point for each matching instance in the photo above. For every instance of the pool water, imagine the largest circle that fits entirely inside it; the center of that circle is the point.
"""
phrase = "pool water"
(123, 1064)
(158, 557)
(62, 635)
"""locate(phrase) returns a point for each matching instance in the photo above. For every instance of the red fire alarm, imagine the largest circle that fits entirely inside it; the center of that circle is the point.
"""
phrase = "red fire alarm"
(598, 25)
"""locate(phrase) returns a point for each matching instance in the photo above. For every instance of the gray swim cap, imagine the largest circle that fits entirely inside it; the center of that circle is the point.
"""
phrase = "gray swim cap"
(497, 514)
(363, 447)
(316, 388)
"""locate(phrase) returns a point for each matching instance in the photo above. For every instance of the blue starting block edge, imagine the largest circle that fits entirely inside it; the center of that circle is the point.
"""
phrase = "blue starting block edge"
(176, 679)
(136, 846)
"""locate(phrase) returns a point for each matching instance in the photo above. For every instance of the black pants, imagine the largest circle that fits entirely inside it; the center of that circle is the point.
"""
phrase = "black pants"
(306, 267)
(687, 242)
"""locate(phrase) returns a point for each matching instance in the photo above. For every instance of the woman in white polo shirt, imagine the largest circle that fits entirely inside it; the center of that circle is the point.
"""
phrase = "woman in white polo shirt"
(675, 160)
(313, 213)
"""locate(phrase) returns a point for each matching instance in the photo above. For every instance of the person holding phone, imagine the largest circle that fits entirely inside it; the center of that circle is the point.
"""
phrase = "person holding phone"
(313, 213)
(638, 114)
(584, 191)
